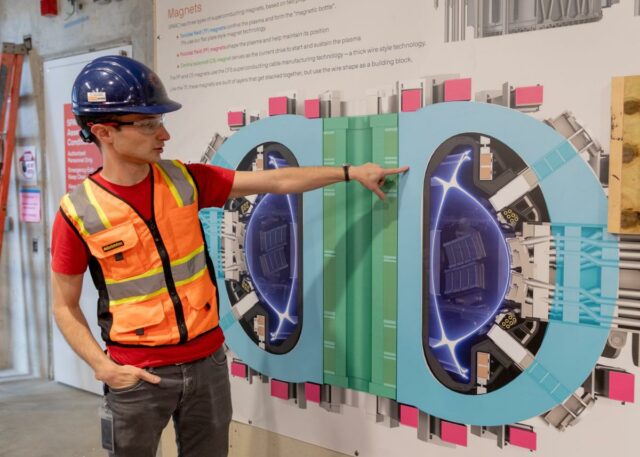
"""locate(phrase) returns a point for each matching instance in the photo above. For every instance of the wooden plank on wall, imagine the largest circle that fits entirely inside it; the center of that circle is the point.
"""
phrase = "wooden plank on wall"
(624, 165)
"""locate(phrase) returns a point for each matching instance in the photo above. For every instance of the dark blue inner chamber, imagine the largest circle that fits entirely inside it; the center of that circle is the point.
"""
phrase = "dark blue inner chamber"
(271, 251)
(469, 264)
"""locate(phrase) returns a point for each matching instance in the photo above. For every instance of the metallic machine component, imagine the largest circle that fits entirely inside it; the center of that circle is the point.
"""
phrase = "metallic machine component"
(382, 102)
(486, 160)
(301, 399)
(523, 98)
(232, 246)
(332, 398)
(448, 88)
(245, 304)
(515, 189)
(236, 118)
(527, 99)
(625, 315)
(610, 382)
(424, 426)
(535, 264)
(495, 97)
(455, 20)
(411, 94)
(626, 318)
(259, 327)
(330, 104)
(568, 412)
(213, 146)
(283, 104)
(483, 371)
(387, 412)
(585, 145)
(616, 341)
(502, 17)
(514, 350)
(498, 432)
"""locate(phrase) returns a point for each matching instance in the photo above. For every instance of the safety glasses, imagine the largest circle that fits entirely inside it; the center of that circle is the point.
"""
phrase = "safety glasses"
(148, 126)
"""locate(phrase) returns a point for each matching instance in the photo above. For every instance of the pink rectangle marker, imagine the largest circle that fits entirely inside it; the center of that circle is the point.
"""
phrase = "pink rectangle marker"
(621, 386)
(527, 439)
(277, 105)
(312, 108)
(411, 100)
(238, 370)
(312, 392)
(457, 90)
(409, 416)
(527, 96)
(235, 118)
(453, 433)
(280, 389)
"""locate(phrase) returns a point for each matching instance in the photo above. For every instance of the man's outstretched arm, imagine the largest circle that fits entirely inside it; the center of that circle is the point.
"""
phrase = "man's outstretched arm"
(294, 180)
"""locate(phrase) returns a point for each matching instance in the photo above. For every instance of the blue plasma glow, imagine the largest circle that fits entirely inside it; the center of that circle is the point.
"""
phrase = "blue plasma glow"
(271, 252)
(469, 265)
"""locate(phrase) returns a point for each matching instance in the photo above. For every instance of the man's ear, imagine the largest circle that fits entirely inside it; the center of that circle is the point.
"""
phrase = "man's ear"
(102, 132)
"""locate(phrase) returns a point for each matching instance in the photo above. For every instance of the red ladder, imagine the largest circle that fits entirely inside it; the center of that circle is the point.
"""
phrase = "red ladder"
(11, 61)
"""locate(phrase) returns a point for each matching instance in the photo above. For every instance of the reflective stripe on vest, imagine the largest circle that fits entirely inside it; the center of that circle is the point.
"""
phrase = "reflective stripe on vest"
(174, 174)
(132, 255)
(150, 284)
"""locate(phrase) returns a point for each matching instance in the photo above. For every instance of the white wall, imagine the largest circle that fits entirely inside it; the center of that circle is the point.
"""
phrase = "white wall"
(25, 322)
(574, 64)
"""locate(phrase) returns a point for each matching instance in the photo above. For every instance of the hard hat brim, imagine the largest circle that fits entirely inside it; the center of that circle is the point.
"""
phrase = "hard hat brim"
(153, 109)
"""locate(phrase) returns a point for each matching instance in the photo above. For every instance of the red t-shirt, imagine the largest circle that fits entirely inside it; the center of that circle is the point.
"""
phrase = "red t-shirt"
(69, 255)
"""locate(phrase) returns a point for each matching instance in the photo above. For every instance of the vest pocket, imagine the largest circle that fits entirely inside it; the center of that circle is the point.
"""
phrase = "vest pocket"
(202, 310)
(115, 249)
(134, 323)
(201, 292)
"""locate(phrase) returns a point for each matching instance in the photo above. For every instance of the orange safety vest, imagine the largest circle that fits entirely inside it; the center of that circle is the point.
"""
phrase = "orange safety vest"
(155, 278)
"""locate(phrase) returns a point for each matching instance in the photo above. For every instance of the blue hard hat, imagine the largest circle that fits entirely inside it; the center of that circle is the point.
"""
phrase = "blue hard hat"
(118, 85)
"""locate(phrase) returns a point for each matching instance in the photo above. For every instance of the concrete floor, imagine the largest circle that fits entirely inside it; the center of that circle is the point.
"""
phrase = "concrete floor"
(46, 419)
(41, 418)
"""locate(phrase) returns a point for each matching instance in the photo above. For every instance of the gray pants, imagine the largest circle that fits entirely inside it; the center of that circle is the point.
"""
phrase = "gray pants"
(198, 397)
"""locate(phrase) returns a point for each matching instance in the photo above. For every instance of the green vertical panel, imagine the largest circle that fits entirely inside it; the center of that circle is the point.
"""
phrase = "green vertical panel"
(359, 260)
(384, 283)
(335, 258)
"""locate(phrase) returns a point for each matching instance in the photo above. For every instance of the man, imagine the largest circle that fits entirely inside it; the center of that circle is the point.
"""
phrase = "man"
(135, 224)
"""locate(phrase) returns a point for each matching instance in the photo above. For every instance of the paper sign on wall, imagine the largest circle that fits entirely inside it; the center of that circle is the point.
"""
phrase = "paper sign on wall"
(81, 159)
(27, 166)
(30, 204)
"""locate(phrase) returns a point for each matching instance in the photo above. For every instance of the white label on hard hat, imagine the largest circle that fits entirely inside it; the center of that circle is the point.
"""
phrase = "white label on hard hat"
(96, 96)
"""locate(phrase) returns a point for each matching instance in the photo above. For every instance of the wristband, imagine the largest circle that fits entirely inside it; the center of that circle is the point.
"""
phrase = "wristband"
(345, 168)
